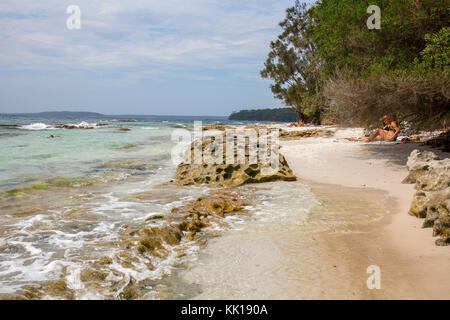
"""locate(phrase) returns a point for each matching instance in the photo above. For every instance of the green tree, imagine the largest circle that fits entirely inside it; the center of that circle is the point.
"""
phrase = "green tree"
(435, 58)
(345, 43)
(400, 68)
(294, 67)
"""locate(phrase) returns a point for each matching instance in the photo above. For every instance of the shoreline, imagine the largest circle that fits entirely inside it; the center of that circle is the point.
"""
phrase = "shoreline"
(398, 241)
(307, 239)
(352, 181)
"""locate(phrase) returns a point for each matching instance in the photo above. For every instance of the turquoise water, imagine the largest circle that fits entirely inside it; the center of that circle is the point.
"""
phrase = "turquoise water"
(29, 155)
(66, 202)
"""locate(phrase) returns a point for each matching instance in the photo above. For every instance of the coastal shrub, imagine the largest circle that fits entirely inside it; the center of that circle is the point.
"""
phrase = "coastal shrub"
(402, 67)
(328, 65)
(278, 114)
(435, 58)
(421, 101)
(344, 42)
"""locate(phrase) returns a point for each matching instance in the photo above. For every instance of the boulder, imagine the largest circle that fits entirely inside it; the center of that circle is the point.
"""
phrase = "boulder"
(432, 199)
(217, 172)
(418, 164)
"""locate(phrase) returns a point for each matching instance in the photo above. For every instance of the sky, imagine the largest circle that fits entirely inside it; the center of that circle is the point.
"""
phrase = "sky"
(161, 57)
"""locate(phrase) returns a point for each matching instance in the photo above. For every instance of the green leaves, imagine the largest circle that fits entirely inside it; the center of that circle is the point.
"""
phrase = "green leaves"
(344, 41)
(436, 55)
(293, 64)
(329, 45)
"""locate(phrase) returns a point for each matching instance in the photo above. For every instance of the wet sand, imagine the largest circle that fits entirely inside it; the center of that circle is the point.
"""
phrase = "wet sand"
(365, 223)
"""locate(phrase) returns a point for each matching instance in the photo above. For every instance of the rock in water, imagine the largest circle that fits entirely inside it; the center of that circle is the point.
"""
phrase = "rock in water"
(228, 175)
(432, 199)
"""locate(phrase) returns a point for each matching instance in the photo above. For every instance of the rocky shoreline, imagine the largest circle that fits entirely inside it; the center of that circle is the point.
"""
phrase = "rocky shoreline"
(161, 237)
(215, 171)
(431, 202)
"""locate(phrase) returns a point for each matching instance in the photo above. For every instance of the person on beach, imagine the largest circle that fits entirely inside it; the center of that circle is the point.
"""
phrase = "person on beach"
(389, 132)
(301, 123)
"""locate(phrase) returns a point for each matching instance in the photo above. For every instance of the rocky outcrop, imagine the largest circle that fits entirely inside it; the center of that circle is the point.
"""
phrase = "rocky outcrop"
(215, 126)
(432, 199)
(296, 134)
(123, 120)
(228, 175)
(157, 238)
(74, 126)
(418, 165)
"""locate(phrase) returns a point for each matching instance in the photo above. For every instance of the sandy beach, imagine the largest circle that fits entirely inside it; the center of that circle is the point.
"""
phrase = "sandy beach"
(359, 186)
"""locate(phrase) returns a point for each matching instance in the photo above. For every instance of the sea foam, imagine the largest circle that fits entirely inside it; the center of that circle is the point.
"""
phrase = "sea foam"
(36, 126)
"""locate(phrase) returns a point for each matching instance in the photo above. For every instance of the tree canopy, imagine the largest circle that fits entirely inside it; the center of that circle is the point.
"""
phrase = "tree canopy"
(328, 65)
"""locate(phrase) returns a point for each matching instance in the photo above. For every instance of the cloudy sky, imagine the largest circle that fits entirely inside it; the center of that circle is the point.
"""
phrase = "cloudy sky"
(166, 57)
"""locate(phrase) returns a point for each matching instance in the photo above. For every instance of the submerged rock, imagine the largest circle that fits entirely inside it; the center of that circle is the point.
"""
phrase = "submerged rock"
(432, 199)
(82, 125)
(123, 120)
(55, 289)
(139, 165)
(128, 147)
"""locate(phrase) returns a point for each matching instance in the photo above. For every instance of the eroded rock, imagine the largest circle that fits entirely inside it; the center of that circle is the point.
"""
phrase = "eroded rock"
(418, 164)
(432, 199)
(216, 170)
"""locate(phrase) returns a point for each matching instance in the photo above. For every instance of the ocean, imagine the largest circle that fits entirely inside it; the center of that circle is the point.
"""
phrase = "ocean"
(68, 201)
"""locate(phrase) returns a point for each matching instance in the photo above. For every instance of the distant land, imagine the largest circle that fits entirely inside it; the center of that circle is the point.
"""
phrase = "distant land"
(276, 114)
(95, 115)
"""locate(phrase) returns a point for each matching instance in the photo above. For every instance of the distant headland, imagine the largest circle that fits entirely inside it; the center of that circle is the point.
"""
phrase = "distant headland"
(275, 114)
(96, 115)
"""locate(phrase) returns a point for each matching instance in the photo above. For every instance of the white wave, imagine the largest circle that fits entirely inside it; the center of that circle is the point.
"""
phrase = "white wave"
(36, 126)
(85, 124)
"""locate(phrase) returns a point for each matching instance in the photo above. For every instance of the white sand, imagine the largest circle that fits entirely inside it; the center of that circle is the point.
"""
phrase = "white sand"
(407, 250)
(360, 184)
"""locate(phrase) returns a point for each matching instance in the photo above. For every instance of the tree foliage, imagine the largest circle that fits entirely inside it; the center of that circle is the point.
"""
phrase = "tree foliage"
(293, 65)
(277, 114)
(328, 61)
(345, 43)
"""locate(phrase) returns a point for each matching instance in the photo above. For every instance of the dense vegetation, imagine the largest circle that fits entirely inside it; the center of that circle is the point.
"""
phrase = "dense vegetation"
(280, 114)
(330, 67)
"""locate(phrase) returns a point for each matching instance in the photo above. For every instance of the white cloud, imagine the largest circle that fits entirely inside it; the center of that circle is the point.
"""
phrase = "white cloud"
(159, 35)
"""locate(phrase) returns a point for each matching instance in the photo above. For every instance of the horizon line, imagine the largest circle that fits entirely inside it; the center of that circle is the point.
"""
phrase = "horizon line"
(103, 114)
